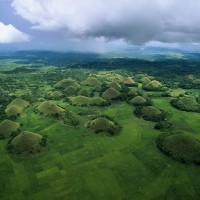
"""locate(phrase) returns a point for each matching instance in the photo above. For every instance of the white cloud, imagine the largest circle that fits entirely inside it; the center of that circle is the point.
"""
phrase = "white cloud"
(9, 34)
(135, 21)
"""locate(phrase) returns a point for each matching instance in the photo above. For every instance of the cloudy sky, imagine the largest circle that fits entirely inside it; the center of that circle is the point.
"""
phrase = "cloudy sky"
(99, 25)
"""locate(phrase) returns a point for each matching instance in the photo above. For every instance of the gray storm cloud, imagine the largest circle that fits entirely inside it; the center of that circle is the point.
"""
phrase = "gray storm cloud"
(135, 21)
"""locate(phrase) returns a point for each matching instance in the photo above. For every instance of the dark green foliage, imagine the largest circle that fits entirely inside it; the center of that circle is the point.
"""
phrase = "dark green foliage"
(105, 124)
(181, 147)
(73, 119)
(188, 84)
(186, 104)
(166, 94)
(164, 126)
(44, 141)
(151, 113)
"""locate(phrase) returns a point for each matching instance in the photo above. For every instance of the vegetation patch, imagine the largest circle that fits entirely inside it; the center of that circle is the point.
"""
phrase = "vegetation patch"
(129, 82)
(150, 113)
(115, 85)
(104, 124)
(132, 93)
(91, 81)
(56, 95)
(111, 93)
(164, 126)
(110, 76)
(16, 107)
(153, 86)
(70, 91)
(85, 92)
(188, 103)
(13, 111)
(19, 102)
(63, 84)
(87, 101)
(9, 129)
(27, 144)
(145, 80)
(49, 109)
(70, 117)
(179, 146)
(138, 101)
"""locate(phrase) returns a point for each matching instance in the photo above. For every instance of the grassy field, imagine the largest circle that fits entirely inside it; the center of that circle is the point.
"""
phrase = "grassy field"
(82, 165)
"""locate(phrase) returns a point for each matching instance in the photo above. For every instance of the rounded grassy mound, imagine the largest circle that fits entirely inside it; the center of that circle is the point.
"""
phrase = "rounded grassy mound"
(56, 95)
(151, 110)
(86, 101)
(196, 81)
(27, 143)
(98, 101)
(91, 81)
(132, 93)
(129, 81)
(105, 125)
(115, 85)
(110, 76)
(71, 90)
(9, 128)
(153, 86)
(111, 93)
(63, 84)
(150, 113)
(145, 80)
(85, 92)
(19, 102)
(16, 107)
(138, 101)
(13, 111)
(49, 109)
(80, 101)
(188, 103)
(179, 146)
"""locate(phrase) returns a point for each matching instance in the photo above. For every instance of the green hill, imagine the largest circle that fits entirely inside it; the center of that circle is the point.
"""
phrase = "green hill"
(132, 93)
(188, 103)
(16, 107)
(145, 80)
(56, 95)
(19, 102)
(86, 101)
(8, 128)
(153, 86)
(150, 113)
(70, 91)
(138, 101)
(115, 85)
(49, 109)
(105, 125)
(63, 84)
(91, 81)
(85, 92)
(27, 143)
(129, 81)
(179, 146)
(111, 93)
